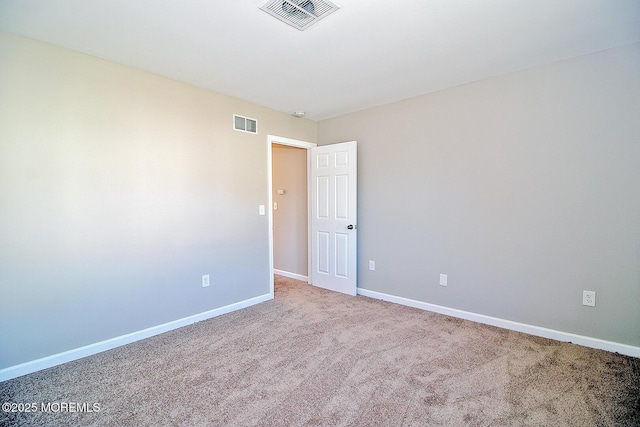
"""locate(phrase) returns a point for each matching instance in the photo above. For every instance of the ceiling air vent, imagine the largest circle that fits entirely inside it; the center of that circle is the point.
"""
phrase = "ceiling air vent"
(245, 124)
(300, 14)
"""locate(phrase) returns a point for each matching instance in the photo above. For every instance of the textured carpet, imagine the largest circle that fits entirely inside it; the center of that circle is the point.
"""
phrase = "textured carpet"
(313, 357)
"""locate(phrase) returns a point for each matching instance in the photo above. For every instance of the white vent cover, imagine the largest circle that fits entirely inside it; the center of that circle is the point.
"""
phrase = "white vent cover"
(300, 14)
(245, 124)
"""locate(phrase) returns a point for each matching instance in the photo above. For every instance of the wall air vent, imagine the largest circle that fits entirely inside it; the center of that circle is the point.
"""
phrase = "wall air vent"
(245, 124)
(300, 14)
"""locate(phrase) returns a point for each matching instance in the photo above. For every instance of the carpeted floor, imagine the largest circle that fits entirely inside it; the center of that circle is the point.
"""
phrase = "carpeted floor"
(312, 357)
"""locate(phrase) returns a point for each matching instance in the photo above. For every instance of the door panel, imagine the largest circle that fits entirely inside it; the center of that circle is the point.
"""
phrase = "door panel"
(322, 252)
(342, 197)
(342, 255)
(333, 217)
(323, 197)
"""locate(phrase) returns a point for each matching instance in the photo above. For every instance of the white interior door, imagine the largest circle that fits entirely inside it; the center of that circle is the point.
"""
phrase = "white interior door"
(333, 217)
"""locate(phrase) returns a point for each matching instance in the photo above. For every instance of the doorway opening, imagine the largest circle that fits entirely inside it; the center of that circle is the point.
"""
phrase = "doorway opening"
(290, 211)
(289, 232)
(332, 261)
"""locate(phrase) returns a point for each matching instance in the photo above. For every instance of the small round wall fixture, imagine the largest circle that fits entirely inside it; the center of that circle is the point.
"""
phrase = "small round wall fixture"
(299, 114)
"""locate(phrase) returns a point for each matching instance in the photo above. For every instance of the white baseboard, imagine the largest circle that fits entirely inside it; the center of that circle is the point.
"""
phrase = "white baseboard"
(597, 343)
(291, 275)
(88, 350)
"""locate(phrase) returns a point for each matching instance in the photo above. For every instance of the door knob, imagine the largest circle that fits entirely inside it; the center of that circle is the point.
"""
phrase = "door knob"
(351, 227)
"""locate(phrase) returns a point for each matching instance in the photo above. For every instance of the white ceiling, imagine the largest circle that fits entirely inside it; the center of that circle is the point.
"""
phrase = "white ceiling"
(368, 53)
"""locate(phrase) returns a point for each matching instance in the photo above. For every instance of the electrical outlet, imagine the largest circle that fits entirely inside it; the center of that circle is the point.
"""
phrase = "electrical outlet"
(372, 265)
(443, 280)
(205, 280)
(589, 298)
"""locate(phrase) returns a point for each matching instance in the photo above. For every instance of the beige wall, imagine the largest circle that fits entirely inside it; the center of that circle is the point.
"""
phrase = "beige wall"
(118, 190)
(290, 231)
(524, 189)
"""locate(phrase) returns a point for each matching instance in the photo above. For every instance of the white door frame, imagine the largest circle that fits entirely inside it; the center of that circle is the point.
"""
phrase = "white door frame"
(273, 139)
